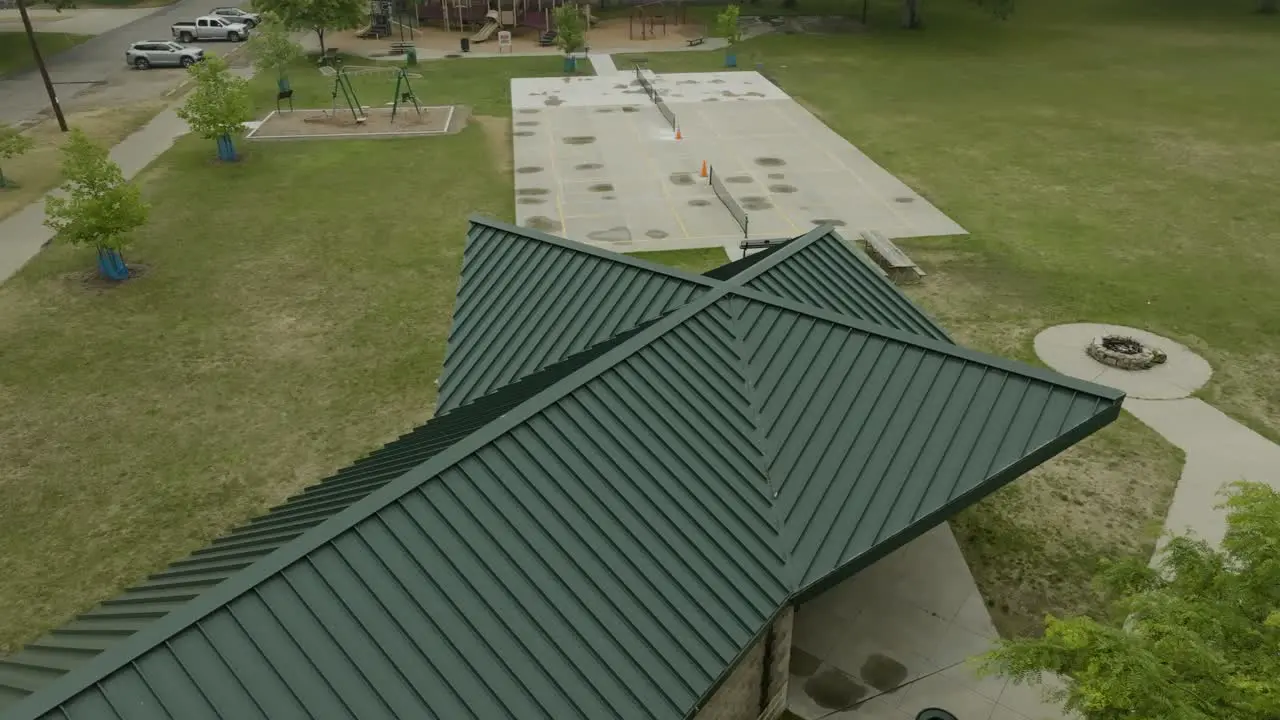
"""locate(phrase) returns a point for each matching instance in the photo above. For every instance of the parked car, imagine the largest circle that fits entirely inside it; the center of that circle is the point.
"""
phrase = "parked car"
(161, 53)
(210, 27)
(235, 14)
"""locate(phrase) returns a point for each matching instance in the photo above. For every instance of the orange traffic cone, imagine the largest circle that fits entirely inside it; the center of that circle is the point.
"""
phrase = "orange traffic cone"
(704, 169)
(678, 135)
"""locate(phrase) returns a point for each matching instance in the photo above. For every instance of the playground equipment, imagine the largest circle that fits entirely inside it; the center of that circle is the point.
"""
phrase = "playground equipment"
(490, 27)
(379, 20)
(648, 17)
(406, 96)
(484, 18)
(342, 84)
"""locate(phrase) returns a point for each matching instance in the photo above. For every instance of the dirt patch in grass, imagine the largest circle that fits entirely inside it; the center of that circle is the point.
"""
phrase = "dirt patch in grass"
(38, 171)
(497, 132)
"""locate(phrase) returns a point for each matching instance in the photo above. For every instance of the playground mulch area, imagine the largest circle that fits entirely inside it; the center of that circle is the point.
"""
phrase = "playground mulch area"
(376, 122)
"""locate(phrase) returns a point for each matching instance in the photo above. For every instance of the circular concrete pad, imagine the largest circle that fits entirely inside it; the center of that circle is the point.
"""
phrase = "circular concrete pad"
(1062, 348)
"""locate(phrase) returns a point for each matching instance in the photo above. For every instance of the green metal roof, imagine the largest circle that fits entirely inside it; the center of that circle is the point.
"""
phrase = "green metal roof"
(527, 299)
(607, 545)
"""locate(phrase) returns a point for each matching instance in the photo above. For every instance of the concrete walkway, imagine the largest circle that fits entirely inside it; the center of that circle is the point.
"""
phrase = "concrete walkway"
(602, 64)
(1219, 450)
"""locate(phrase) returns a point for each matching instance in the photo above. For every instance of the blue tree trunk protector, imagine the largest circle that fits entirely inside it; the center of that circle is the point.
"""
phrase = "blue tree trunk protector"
(570, 63)
(111, 265)
(730, 59)
(226, 151)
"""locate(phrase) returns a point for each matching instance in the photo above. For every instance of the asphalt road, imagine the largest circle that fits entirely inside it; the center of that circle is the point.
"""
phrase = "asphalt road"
(94, 73)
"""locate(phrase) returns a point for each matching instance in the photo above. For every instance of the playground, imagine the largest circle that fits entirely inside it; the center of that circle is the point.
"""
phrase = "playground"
(643, 162)
(515, 26)
(348, 116)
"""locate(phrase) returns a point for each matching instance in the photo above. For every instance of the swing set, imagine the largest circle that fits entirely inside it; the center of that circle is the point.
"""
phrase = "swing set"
(404, 94)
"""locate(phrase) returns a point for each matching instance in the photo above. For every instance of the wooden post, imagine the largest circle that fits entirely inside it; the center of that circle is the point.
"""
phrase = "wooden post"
(44, 71)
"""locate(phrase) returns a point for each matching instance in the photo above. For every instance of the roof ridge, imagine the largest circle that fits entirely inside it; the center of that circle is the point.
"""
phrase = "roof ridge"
(573, 245)
(789, 248)
(62, 689)
(930, 344)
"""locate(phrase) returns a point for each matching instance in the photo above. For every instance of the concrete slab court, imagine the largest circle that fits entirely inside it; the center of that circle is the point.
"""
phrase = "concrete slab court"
(596, 161)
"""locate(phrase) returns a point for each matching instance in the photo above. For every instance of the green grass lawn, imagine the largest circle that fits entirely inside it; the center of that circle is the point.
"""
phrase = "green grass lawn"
(694, 261)
(15, 49)
(1111, 165)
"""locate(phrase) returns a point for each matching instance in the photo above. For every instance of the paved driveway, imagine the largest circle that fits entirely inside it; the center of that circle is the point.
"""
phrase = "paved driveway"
(94, 74)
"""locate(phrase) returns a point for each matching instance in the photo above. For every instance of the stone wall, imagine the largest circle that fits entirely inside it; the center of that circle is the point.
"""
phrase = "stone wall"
(738, 697)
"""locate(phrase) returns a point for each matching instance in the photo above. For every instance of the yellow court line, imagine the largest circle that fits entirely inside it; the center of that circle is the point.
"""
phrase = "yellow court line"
(657, 173)
(555, 171)
(892, 210)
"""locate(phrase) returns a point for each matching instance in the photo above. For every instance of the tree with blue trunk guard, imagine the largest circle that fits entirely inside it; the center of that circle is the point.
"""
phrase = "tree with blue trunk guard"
(219, 105)
(97, 206)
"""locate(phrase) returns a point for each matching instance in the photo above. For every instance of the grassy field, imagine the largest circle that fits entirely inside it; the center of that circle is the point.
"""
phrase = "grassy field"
(1111, 165)
(15, 50)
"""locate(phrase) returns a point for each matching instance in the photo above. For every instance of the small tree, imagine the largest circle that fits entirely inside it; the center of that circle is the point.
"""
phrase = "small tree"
(571, 33)
(100, 208)
(218, 106)
(1195, 638)
(273, 49)
(727, 27)
(12, 144)
(318, 16)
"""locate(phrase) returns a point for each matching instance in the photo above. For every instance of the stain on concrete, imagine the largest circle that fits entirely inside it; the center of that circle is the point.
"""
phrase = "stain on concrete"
(782, 188)
(904, 199)
(686, 82)
(828, 221)
(553, 101)
(528, 123)
(531, 192)
(728, 93)
(699, 202)
(717, 81)
(604, 110)
(681, 178)
(608, 197)
(588, 166)
(776, 176)
(655, 234)
(546, 224)
(833, 690)
(613, 234)
(579, 139)
(529, 111)
(802, 663)
(523, 133)
(600, 187)
(770, 162)
(883, 672)
(710, 99)
(755, 202)
(529, 201)
(620, 86)
(738, 179)
(529, 169)
(630, 108)
(753, 93)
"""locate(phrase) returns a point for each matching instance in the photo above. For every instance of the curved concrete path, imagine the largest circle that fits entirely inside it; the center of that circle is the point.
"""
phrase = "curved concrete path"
(1219, 450)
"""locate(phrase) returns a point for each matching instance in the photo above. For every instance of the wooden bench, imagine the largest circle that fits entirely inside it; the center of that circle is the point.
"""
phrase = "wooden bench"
(897, 265)
(695, 41)
(400, 48)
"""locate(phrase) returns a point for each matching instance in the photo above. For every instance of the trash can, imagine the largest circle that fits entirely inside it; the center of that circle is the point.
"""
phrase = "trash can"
(466, 44)
(935, 714)
(411, 56)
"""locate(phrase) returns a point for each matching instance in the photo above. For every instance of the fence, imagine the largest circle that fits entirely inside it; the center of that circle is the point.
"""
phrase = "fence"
(653, 95)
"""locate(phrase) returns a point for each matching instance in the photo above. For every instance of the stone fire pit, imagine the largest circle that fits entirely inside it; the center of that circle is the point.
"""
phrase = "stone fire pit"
(1124, 352)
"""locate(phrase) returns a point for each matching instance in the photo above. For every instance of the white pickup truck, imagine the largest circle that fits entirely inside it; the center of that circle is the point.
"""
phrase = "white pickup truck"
(210, 27)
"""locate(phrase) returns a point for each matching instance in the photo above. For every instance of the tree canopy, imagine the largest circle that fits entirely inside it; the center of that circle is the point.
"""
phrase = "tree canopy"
(317, 16)
(571, 28)
(99, 207)
(272, 47)
(219, 105)
(12, 144)
(1197, 637)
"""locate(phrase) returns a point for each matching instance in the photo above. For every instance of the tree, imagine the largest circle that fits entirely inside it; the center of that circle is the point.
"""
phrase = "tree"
(12, 144)
(218, 106)
(728, 28)
(100, 207)
(1195, 638)
(273, 49)
(571, 32)
(317, 16)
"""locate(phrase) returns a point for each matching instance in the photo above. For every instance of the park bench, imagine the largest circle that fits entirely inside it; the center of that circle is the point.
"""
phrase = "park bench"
(695, 41)
(746, 245)
(401, 48)
(899, 267)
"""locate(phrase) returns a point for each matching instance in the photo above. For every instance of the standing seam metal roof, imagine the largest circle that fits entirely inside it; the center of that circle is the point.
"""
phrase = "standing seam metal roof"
(608, 546)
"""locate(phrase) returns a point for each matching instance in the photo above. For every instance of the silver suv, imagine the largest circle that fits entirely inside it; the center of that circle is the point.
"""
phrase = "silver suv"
(159, 53)
(236, 15)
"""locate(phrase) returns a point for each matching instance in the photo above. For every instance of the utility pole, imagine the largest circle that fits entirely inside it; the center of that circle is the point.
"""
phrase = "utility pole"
(44, 71)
